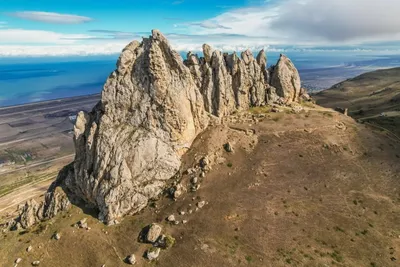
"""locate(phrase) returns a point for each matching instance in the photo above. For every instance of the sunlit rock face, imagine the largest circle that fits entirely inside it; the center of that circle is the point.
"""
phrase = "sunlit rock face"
(152, 108)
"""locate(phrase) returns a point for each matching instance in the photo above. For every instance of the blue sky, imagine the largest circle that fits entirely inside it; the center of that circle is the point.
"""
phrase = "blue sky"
(72, 27)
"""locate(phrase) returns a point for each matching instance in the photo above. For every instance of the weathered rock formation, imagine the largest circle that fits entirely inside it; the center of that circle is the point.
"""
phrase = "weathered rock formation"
(152, 108)
(286, 80)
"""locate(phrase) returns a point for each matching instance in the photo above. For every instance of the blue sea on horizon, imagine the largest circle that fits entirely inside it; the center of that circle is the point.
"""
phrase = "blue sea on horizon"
(26, 80)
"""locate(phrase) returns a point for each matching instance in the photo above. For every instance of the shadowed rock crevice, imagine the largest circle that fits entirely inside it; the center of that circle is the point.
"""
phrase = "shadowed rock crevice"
(152, 108)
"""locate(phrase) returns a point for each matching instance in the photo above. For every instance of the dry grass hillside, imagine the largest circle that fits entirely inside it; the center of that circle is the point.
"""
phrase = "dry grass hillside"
(308, 189)
(372, 98)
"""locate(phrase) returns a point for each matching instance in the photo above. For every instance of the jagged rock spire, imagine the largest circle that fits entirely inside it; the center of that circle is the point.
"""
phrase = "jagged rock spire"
(286, 80)
(152, 107)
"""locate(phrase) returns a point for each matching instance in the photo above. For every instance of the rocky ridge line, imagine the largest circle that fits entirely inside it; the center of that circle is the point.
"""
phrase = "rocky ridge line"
(152, 108)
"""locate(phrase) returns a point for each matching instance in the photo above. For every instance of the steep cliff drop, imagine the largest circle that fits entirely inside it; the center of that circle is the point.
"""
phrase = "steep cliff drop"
(152, 108)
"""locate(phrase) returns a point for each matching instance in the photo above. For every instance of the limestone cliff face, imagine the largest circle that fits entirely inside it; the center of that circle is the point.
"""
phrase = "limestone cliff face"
(152, 108)
(131, 143)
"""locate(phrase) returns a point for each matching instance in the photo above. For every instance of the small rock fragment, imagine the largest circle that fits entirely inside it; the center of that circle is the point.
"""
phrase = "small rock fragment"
(131, 259)
(56, 236)
(194, 180)
(178, 191)
(82, 223)
(204, 162)
(29, 249)
(201, 204)
(182, 213)
(18, 260)
(228, 147)
(171, 218)
(191, 171)
(35, 263)
(184, 221)
(153, 253)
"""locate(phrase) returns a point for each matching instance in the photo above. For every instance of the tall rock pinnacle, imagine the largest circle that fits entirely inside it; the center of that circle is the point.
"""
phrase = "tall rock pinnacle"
(286, 80)
(152, 108)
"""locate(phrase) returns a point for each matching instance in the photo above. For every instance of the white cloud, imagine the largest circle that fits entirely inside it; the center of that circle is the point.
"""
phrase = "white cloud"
(50, 17)
(60, 50)
(208, 24)
(340, 20)
(22, 36)
(313, 22)
(276, 26)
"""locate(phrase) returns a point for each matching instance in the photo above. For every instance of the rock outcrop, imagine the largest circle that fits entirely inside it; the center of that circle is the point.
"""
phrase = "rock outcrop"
(152, 108)
(286, 80)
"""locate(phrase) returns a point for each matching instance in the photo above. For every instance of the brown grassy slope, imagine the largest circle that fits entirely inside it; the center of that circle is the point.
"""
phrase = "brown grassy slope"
(367, 97)
(309, 189)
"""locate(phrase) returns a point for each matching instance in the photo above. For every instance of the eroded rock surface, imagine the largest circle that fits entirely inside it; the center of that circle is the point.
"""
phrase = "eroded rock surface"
(286, 80)
(152, 108)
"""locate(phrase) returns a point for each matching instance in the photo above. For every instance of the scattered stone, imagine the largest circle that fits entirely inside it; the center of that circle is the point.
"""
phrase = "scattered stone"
(195, 180)
(56, 236)
(204, 162)
(182, 212)
(29, 249)
(228, 147)
(201, 204)
(296, 108)
(202, 174)
(184, 221)
(171, 218)
(131, 259)
(178, 191)
(190, 211)
(18, 260)
(153, 253)
(153, 232)
(36, 263)
(176, 222)
(194, 188)
(82, 223)
(191, 171)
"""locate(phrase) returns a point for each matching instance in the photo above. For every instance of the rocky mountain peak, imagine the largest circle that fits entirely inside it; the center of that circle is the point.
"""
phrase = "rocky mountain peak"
(152, 108)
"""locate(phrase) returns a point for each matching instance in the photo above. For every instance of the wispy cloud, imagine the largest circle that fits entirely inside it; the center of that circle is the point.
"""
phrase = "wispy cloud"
(207, 24)
(311, 22)
(60, 50)
(50, 17)
(113, 34)
(23, 36)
